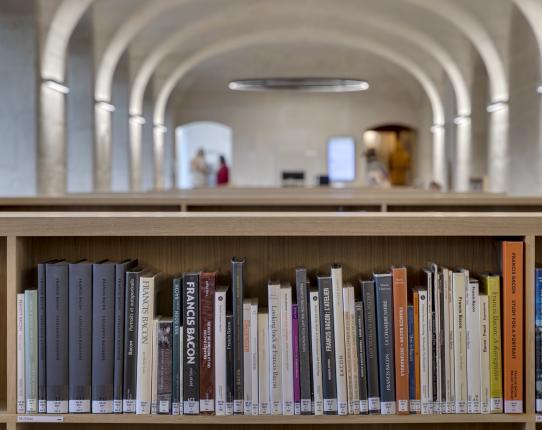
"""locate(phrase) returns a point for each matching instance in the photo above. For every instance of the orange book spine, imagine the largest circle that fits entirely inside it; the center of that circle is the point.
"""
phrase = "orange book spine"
(400, 322)
(416, 348)
(512, 306)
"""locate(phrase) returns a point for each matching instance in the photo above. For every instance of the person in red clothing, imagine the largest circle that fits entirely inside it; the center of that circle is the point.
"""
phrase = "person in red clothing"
(223, 173)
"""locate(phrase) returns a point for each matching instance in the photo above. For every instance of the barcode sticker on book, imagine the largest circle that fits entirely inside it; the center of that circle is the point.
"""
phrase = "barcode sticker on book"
(40, 419)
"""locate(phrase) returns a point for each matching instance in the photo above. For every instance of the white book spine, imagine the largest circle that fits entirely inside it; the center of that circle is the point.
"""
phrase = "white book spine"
(275, 349)
(254, 354)
(437, 407)
(287, 358)
(154, 381)
(181, 402)
(21, 396)
(144, 345)
(451, 354)
(473, 348)
(338, 328)
(316, 353)
(31, 350)
(424, 353)
(247, 360)
(263, 364)
(220, 351)
(460, 343)
(484, 357)
(347, 348)
(446, 396)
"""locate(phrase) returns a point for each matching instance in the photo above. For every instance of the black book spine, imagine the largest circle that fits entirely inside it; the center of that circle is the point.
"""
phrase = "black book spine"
(164, 366)
(57, 334)
(190, 344)
(329, 376)
(373, 389)
(238, 286)
(302, 294)
(103, 340)
(229, 364)
(176, 346)
(384, 312)
(118, 374)
(362, 368)
(42, 386)
(80, 343)
(130, 342)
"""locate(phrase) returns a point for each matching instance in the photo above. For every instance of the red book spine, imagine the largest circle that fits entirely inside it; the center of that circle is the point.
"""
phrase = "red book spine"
(400, 322)
(206, 332)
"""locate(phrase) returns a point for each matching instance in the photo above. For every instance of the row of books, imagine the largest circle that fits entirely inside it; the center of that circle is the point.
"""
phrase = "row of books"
(90, 340)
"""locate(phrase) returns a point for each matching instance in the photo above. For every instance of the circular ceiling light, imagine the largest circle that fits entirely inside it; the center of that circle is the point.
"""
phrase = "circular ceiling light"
(313, 85)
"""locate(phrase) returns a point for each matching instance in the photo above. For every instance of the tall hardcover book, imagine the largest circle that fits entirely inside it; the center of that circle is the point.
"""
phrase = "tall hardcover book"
(442, 344)
(295, 359)
(148, 286)
(538, 368)
(384, 312)
(446, 338)
(287, 373)
(164, 366)
(191, 340)
(275, 347)
(254, 353)
(512, 323)
(451, 344)
(371, 342)
(181, 355)
(154, 366)
(206, 334)
(484, 355)
(176, 346)
(238, 292)
(21, 371)
(327, 321)
(229, 364)
(459, 288)
(415, 402)
(362, 367)
(316, 352)
(220, 350)
(103, 341)
(80, 343)
(338, 327)
(437, 361)
(131, 311)
(400, 324)
(118, 369)
(57, 334)
(411, 360)
(263, 364)
(305, 379)
(423, 312)
(247, 360)
(473, 347)
(31, 350)
(431, 383)
(351, 350)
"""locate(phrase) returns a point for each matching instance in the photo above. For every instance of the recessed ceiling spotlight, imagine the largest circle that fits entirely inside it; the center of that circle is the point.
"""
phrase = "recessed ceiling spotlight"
(56, 86)
(108, 107)
(497, 106)
(315, 85)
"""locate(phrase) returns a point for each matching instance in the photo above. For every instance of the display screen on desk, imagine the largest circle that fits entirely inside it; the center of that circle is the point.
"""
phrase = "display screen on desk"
(341, 159)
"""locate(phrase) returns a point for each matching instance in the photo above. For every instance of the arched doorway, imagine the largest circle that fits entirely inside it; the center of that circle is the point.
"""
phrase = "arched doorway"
(214, 138)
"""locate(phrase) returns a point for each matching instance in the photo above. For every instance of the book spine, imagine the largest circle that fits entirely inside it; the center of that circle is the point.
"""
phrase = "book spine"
(80, 343)
(537, 296)
(220, 351)
(42, 386)
(191, 350)
(354, 352)
(206, 335)
(287, 357)
(430, 340)
(329, 378)
(314, 307)
(347, 349)
(57, 321)
(247, 360)
(460, 343)
(31, 350)
(21, 373)
(263, 364)
(473, 347)
(411, 361)
(446, 342)
(103, 342)
(181, 355)
(415, 405)
(538, 368)
(295, 360)
(338, 327)
(164, 382)
(238, 286)
(362, 367)
(176, 346)
(154, 367)
(495, 343)
(229, 364)
(437, 364)
(484, 356)
(254, 353)
(400, 323)
(302, 294)
(275, 348)
(369, 307)
(442, 354)
(130, 343)
(384, 300)
(451, 343)
(424, 352)
(145, 332)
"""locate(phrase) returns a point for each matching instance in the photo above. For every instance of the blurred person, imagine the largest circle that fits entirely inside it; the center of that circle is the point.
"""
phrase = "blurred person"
(377, 174)
(199, 169)
(399, 164)
(223, 173)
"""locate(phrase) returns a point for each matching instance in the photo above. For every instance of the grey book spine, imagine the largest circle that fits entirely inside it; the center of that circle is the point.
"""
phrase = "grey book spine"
(190, 344)
(384, 312)
(80, 337)
(176, 347)
(369, 303)
(302, 293)
(120, 286)
(42, 386)
(57, 334)
(538, 368)
(360, 349)
(130, 341)
(229, 364)
(238, 286)
(31, 350)
(327, 339)
(103, 341)
(164, 386)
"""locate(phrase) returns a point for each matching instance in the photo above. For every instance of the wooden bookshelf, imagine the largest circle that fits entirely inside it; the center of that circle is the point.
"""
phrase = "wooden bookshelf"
(274, 244)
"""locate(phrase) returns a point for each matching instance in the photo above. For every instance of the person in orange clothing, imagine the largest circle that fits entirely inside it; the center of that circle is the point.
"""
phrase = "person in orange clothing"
(399, 164)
